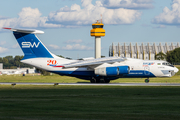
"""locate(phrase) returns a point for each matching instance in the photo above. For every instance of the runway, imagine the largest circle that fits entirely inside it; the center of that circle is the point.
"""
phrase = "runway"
(95, 84)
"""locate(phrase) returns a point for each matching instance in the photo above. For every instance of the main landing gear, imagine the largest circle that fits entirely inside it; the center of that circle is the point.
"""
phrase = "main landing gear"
(99, 80)
(147, 80)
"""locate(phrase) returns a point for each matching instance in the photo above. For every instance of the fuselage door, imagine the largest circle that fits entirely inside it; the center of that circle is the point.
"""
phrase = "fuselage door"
(146, 70)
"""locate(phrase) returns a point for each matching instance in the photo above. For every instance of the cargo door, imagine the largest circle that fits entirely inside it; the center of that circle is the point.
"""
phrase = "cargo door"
(146, 70)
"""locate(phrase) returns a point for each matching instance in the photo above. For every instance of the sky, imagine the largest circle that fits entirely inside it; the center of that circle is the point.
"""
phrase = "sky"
(67, 23)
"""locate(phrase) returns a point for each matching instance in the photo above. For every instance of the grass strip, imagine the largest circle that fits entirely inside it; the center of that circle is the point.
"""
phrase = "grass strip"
(89, 102)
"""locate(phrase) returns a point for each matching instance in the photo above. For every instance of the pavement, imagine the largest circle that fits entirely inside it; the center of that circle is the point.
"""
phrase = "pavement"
(96, 84)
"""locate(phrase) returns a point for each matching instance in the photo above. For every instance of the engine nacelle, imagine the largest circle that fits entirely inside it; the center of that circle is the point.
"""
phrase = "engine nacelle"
(112, 71)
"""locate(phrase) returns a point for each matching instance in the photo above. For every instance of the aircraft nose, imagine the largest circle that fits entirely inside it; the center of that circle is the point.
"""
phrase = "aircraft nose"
(176, 70)
(173, 72)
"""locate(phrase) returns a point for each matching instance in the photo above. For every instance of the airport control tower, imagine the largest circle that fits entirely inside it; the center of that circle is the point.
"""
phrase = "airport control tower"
(97, 31)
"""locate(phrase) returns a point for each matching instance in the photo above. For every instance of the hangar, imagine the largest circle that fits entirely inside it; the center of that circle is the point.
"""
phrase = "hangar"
(145, 51)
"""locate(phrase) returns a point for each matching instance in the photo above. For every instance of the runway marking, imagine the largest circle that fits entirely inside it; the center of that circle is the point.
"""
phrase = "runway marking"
(96, 84)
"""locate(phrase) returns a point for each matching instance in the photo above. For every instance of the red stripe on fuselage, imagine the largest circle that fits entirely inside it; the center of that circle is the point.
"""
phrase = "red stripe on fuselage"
(58, 66)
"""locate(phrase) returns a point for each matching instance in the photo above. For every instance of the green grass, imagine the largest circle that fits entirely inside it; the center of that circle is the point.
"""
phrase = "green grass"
(66, 79)
(44, 79)
(174, 79)
(89, 102)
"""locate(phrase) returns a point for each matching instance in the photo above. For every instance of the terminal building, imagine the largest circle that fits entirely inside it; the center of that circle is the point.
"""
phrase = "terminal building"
(145, 51)
(17, 71)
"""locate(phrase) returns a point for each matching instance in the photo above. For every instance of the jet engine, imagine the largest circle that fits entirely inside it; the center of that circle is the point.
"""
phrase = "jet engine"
(112, 71)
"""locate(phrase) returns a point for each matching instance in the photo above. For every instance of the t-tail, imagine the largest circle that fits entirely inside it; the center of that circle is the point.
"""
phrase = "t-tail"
(31, 46)
(35, 52)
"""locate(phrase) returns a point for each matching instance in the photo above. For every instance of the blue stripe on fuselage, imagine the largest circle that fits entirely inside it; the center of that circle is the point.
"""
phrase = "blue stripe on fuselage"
(133, 73)
(74, 73)
(139, 73)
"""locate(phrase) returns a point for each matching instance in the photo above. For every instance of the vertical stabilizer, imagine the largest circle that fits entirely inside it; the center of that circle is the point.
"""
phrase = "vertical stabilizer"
(31, 46)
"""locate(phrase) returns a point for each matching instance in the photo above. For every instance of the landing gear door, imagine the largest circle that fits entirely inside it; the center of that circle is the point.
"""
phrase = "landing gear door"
(146, 70)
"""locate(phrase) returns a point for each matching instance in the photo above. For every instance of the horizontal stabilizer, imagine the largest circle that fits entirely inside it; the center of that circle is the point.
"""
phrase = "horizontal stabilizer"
(25, 30)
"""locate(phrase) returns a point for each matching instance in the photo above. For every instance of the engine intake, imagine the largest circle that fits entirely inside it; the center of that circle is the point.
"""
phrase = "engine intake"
(112, 71)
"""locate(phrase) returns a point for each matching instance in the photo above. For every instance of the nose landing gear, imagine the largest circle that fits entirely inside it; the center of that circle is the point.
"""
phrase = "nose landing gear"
(147, 80)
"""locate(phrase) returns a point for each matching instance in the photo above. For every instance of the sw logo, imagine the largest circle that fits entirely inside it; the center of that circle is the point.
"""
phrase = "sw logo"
(28, 45)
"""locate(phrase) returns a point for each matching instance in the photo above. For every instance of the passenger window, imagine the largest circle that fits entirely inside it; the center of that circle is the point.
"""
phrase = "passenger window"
(158, 63)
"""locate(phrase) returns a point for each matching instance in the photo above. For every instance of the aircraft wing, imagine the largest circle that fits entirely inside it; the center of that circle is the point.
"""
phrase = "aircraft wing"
(94, 62)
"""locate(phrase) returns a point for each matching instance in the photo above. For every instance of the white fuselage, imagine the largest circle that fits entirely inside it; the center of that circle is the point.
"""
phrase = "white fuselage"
(138, 68)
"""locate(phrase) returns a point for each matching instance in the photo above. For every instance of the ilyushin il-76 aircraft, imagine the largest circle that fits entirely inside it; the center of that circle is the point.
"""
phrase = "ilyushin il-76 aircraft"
(95, 70)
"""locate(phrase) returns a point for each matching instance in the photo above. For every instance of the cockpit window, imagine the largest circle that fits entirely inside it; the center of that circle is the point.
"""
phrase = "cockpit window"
(167, 64)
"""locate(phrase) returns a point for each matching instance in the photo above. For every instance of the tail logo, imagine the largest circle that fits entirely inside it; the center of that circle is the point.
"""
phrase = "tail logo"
(28, 45)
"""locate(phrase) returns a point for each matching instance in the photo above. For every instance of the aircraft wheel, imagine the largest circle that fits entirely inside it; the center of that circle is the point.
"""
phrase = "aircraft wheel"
(93, 81)
(146, 80)
(98, 81)
(106, 81)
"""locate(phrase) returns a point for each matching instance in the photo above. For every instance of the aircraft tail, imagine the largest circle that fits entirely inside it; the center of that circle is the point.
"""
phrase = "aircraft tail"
(30, 44)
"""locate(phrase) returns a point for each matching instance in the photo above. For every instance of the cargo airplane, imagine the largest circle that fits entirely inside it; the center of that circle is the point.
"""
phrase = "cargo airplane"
(95, 70)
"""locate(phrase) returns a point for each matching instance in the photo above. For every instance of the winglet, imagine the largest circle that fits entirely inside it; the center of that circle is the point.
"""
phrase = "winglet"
(25, 30)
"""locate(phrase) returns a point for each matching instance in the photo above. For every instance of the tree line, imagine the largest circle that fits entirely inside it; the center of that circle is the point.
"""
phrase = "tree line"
(10, 62)
(172, 57)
